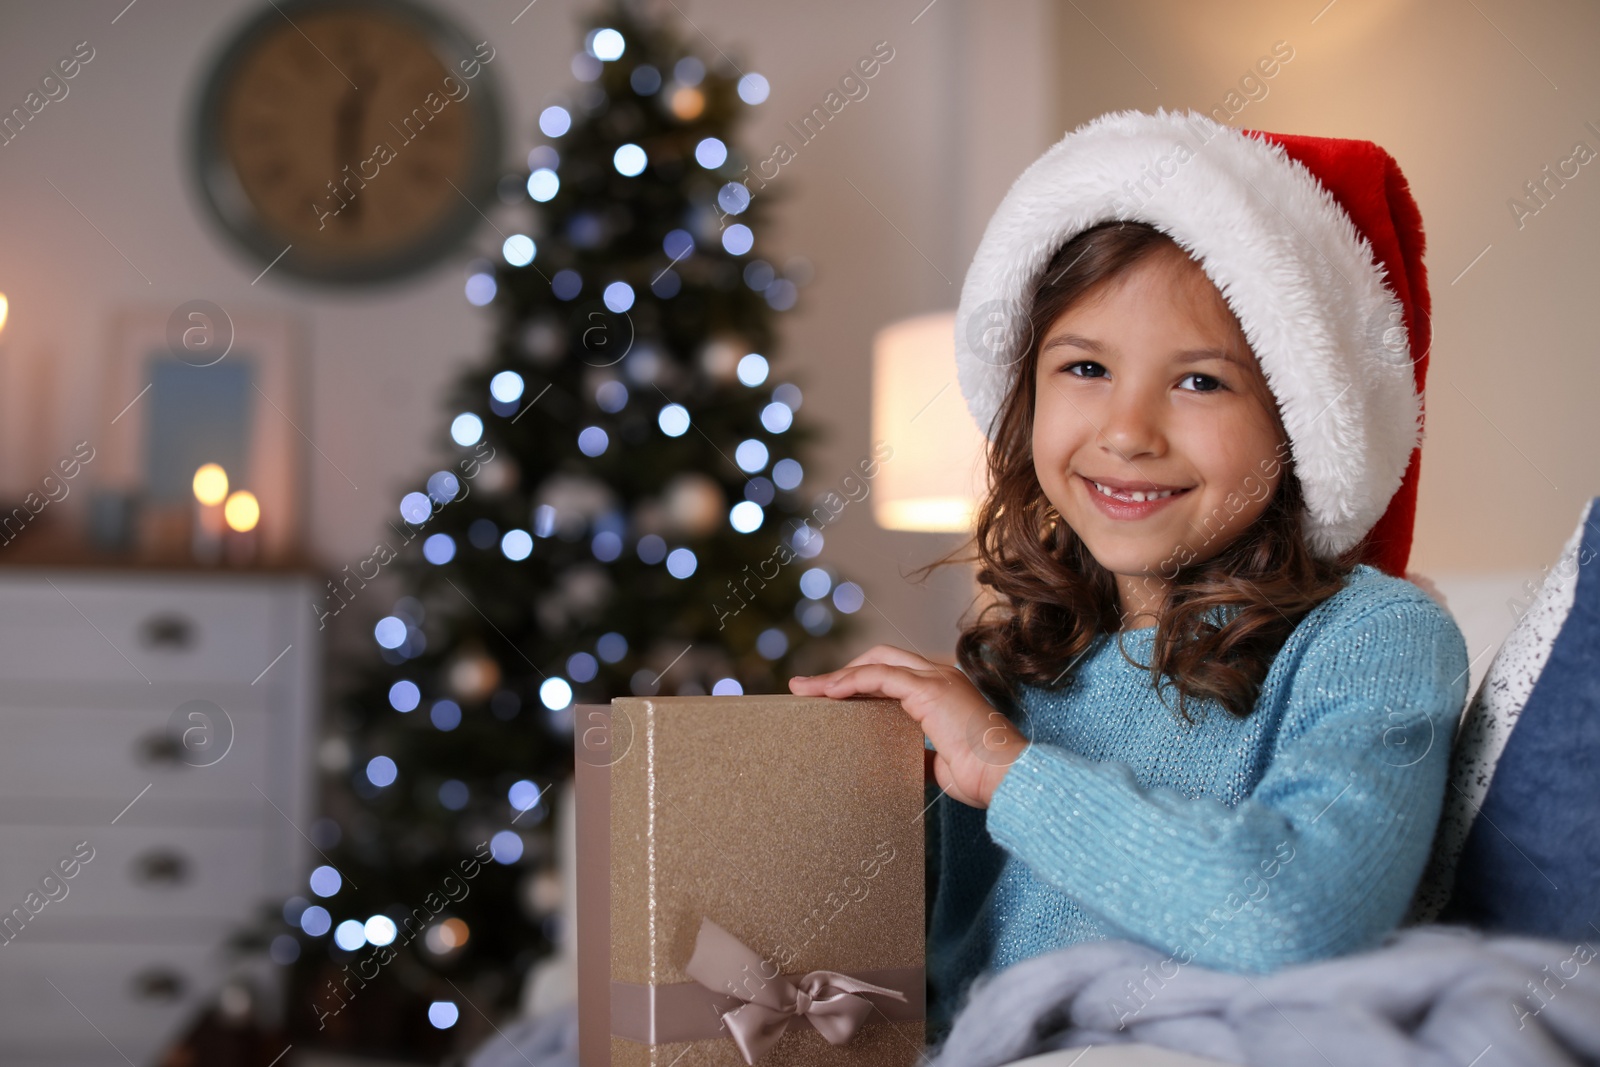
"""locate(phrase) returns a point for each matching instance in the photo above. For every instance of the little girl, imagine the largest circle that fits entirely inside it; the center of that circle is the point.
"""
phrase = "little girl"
(1198, 353)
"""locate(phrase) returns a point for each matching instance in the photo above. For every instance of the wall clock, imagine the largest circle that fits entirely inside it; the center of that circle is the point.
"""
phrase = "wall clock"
(348, 141)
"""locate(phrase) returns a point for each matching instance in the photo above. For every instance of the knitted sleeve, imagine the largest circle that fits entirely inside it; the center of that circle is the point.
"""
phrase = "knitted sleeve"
(1323, 855)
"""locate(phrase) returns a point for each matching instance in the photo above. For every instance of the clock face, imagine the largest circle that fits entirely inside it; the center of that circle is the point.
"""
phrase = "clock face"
(353, 137)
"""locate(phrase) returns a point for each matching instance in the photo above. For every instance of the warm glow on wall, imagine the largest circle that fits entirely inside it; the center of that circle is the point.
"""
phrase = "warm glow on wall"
(211, 485)
(936, 476)
(242, 511)
(5, 311)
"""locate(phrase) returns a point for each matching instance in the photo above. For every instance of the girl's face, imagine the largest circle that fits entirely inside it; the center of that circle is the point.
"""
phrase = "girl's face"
(1148, 384)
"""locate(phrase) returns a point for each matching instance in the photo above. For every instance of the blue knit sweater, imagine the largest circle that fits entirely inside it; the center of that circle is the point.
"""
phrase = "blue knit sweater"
(1296, 833)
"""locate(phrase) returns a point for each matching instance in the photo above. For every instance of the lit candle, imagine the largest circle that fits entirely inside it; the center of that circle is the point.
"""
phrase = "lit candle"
(210, 490)
(243, 514)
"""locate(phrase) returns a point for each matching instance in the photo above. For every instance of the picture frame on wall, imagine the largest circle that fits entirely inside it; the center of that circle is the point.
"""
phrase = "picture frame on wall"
(192, 385)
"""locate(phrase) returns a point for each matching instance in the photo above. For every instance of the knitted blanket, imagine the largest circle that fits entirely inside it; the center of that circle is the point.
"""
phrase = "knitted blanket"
(1430, 996)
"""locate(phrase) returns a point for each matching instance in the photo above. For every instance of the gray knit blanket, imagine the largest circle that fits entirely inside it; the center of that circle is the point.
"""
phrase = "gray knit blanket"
(1430, 996)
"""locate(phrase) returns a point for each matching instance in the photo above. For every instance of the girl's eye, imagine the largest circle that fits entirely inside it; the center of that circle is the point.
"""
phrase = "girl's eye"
(1208, 384)
(1069, 368)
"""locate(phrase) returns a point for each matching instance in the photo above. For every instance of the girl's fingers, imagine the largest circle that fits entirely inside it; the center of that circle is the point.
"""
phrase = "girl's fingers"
(872, 679)
(887, 655)
(895, 657)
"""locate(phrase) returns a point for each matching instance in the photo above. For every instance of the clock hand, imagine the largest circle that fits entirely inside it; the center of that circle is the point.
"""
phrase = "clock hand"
(347, 131)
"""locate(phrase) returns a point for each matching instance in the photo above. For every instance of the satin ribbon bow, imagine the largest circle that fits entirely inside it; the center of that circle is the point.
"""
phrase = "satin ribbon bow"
(826, 998)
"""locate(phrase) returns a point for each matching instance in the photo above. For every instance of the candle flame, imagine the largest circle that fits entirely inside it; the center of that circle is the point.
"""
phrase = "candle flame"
(242, 511)
(211, 484)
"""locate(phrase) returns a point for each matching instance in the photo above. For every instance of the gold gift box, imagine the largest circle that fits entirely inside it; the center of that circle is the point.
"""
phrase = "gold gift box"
(794, 823)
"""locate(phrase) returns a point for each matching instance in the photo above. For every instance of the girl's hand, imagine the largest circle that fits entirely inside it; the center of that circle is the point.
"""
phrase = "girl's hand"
(976, 744)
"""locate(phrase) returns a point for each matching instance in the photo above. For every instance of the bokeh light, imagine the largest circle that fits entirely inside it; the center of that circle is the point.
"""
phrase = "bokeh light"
(543, 184)
(466, 429)
(381, 771)
(753, 88)
(519, 249)
(711, 153)
(555, 121)
(753, 369)
(630, 160)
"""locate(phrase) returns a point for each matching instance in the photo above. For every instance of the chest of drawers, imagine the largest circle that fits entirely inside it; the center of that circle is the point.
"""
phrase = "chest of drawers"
(155, 742)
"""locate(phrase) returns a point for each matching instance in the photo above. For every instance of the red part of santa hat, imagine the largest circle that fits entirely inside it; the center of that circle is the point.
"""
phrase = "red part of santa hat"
(1315, 243)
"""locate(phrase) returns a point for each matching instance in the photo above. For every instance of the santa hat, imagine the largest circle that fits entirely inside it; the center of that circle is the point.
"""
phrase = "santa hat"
(1315, 243)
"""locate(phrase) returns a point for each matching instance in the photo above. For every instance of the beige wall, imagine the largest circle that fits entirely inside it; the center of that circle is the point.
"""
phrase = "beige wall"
(1472, 109)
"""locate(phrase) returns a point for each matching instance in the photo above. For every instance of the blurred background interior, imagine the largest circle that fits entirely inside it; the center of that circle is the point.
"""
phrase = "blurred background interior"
(381, 382)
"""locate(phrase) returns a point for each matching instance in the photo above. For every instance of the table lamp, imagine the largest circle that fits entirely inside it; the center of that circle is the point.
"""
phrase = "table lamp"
(937, 476)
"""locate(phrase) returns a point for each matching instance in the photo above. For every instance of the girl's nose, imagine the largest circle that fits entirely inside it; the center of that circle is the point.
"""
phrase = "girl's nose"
(1133, 423)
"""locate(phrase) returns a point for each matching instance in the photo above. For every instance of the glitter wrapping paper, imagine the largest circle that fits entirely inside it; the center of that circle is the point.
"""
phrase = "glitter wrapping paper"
(794, 822)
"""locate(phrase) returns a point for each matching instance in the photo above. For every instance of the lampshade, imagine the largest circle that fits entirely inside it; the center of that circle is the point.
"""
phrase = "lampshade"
(936, 476)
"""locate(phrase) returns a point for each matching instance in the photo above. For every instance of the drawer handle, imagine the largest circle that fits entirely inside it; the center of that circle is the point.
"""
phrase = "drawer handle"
(161, 867)
(158, 983)
(161, 748)
(169, 633)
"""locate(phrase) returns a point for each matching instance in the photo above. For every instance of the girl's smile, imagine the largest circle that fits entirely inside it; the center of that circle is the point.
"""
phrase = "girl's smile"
(1154, 430)
(1130, 500)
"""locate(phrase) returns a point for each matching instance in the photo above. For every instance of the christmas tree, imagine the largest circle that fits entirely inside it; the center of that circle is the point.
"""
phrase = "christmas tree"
(619, 513)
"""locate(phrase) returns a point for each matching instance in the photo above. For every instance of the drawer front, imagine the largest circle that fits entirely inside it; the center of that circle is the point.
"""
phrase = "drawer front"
(130, 871)
(183, 748)
(137, 630)
(136, 997)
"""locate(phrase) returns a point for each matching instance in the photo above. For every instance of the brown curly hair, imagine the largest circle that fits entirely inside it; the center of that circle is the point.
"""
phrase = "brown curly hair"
(1050, 599)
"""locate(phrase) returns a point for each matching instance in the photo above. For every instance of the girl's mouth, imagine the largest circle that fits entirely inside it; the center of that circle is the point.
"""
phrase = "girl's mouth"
(1126, 504)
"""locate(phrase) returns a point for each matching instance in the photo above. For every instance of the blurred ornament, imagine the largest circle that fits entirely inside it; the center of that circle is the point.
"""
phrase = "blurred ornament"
(473, 675)
(650, 517)
(577, 499)
(686, 103)
(496, 476)
(643, 365)
(544, 341)
(585, 588)
(719, 360)
(582, 593)
(695, 504)
(602, 384)
(446, 937)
